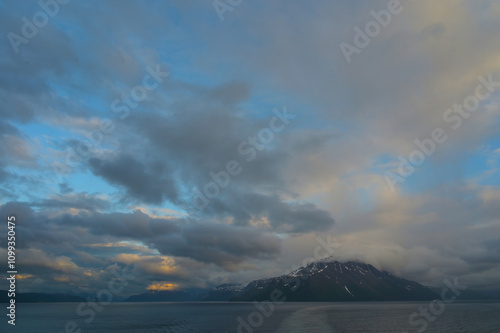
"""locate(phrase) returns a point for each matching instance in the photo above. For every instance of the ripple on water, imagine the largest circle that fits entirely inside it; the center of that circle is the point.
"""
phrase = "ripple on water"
(306, 321)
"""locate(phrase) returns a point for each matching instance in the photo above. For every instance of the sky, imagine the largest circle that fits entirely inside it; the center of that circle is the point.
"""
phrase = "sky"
(206, 142)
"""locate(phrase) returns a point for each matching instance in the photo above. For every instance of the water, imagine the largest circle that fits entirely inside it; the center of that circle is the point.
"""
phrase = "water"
(223, 317)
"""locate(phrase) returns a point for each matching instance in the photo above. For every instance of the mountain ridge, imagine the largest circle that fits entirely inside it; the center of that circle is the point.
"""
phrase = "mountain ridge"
(324, 281)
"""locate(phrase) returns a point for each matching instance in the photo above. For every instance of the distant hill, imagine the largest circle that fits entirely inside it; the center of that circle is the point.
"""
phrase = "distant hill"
(39, 297)
(335, 281)
(166, 296)
(224, 292)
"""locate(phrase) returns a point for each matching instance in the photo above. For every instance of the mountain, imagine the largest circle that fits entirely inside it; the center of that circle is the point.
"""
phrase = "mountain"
(166, 296)
(326, 281)
(224, 292)
(39, 297)
(322, 281)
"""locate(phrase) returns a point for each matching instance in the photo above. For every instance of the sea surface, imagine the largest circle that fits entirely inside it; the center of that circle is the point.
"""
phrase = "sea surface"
(248, 318)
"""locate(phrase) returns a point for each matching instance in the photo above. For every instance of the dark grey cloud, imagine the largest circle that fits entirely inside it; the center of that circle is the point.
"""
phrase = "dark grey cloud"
(25, 89)
(7, 128)
(132, 226)
(207, 242)
(150, 182)
(14, 148)
(230, 93)
(77, 249)
(293, 217)
(22, 211)
(168, 154)
(205, 142)
(224, 245)
(65, 188)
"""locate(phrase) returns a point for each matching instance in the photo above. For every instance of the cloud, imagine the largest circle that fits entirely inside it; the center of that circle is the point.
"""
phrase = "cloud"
(282, 216)
(162, 286)
(208, 242)
(150, 182)
(79, 201)
(72, 249)
(224, 245)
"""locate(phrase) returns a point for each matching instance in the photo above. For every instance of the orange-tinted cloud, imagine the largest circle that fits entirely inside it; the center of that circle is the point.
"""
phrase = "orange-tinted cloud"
(162, 286)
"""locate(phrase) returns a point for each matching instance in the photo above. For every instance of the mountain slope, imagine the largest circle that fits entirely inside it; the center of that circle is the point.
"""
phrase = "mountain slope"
(223, 292)
(166, 296)
(334, 281)
(160, 296)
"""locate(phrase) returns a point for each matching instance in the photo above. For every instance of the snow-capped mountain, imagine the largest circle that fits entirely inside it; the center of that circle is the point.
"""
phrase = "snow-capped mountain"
(335, 281)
